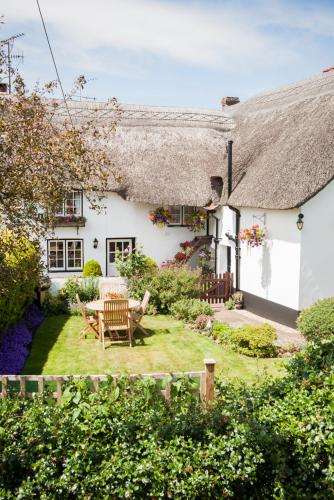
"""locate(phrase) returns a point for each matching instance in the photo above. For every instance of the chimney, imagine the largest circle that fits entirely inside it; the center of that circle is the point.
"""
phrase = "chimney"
(3, 88)
(229, 101)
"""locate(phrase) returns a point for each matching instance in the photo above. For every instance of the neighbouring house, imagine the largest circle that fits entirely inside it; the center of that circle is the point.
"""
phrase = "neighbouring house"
(165, 157)
(283, 166)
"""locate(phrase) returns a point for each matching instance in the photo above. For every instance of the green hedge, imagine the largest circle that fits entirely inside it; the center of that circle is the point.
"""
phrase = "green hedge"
(270, 440)
(19, 276)
(92, 269)
(317, 322)
(190, 309)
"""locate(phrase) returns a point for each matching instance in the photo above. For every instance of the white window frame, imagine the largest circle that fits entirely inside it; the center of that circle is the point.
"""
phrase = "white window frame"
(65, 251)
(181, 215)
(182, 220)
(64, 212)
(68, 268)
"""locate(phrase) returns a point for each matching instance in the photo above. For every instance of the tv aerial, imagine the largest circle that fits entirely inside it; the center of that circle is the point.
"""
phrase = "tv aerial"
(10, 56)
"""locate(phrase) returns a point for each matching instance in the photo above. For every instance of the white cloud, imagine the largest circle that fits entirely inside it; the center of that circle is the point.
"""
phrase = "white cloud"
(224, 35)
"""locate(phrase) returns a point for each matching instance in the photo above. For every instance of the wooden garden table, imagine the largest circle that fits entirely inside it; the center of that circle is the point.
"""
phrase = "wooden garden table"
(98, 306)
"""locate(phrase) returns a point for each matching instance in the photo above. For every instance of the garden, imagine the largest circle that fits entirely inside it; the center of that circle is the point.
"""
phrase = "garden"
(267, 434)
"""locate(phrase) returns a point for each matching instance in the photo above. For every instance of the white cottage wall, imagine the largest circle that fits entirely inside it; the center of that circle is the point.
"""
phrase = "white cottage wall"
(122, 219)
(270, 272)
(317, 242)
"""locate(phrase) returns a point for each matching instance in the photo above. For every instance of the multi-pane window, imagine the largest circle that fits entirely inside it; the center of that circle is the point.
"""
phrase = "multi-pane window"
(179, 215)
(72, 204)
(65, 255)
(176, 215)
(120, 247)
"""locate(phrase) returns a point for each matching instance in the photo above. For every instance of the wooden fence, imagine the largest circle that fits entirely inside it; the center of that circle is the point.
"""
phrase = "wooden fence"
(18, 384)
(217, 288)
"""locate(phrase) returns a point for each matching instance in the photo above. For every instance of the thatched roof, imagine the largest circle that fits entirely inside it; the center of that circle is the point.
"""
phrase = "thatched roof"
(165, 156)
(283, 151)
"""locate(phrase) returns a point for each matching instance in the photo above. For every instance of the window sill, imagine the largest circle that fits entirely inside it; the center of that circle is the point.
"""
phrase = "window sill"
(69, 224)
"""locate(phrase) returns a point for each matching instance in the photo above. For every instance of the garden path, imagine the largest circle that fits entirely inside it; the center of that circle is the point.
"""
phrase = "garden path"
(237, 318)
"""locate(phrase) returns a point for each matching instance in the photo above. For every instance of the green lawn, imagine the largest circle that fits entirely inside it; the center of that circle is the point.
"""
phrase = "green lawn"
(170, 347)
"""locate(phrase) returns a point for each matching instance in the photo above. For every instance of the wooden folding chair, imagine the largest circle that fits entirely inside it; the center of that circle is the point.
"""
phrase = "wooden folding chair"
(137, 316)
(115, 322)
(90, 321)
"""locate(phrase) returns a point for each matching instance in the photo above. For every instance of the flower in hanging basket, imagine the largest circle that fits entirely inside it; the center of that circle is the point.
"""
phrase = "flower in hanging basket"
(160, 217)
(254, 236)
(196, 220)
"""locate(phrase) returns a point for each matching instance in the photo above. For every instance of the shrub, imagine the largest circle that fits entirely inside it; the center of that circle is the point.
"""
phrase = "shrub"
(255, 340)
(54, 305)
(317, 322)
(315, 360)
(19, 276)
(222, 332)
(167, 286)
(92, 269)
(134, 264)
(190, 309)
(229, 304)
(86, 288)
(202, 321)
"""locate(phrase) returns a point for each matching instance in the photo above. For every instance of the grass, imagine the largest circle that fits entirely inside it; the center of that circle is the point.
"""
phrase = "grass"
(56, 349)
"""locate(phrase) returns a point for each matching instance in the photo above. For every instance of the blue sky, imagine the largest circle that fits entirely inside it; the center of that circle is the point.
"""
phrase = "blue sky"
(169, 52)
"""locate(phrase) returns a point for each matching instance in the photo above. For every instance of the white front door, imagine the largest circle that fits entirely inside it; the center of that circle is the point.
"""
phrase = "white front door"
(114, 246)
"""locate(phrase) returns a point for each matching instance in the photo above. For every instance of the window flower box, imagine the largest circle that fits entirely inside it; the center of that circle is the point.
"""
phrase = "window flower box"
(69, 221)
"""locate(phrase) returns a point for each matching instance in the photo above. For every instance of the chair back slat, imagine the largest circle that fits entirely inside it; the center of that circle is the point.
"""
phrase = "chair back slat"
(145, 301)
(81, 307)
(116, 313)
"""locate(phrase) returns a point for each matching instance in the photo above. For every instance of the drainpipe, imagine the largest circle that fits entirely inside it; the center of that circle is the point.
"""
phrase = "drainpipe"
(216, 240)
(237, 221)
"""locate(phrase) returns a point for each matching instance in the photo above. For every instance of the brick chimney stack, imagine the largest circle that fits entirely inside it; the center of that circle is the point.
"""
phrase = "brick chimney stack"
(229, 101)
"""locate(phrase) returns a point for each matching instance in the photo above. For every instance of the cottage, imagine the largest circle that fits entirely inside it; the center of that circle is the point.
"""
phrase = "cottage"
(283, 166)
(165, 157)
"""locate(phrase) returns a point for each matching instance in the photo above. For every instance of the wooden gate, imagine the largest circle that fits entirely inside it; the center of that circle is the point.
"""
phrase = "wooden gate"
(217, 288)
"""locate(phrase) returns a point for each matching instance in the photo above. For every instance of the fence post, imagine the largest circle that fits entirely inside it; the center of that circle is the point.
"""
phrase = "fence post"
(209, 380)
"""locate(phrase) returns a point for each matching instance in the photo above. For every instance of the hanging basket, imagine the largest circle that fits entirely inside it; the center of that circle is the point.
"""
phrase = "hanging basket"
(160, 217)
(197, 220)
(254, 236)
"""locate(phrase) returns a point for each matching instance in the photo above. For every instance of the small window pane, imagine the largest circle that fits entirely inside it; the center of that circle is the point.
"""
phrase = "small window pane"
(74, 254)
(56, 254)
(176, 214)
(187, 211)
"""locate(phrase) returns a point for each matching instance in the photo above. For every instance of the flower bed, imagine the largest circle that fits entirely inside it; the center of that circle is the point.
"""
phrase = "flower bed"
(15, 340)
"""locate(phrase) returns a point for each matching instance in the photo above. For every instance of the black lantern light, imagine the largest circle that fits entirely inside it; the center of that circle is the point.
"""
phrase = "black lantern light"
(95, 243)
(300, 222)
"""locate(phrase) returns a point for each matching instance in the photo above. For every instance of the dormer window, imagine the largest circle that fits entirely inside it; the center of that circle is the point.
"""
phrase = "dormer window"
(72, 205)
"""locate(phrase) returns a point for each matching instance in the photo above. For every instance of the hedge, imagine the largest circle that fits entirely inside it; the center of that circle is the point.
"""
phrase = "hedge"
(270, 440)
(19, 276)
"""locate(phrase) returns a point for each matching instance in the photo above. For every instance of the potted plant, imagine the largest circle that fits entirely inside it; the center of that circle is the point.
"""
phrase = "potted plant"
(197, 220)
(238, 300)
(253, 236)
(160, 217)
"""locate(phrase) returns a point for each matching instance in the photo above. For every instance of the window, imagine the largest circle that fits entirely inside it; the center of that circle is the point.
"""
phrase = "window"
(176, 215)
(72, 204)
(180, 214)
(65, 255)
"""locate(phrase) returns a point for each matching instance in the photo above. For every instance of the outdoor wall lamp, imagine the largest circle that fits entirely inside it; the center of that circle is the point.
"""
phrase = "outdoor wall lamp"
(300, 222)
(95, 242)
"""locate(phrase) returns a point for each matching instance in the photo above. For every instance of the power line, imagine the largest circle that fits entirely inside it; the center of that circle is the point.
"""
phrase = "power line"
(54, 62)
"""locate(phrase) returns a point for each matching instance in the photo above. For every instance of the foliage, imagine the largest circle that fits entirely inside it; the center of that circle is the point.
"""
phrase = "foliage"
(160, 217)
(269, 440)
(14, 342)
(229, 304)
(317, 322)
(197, 220)
(315, 360)
(69, 219)
(19, 276)
(222, 332)
(134, 264)
(238, 297)
(86, 288)
(38, 170)
(166, 286)
(190, 309)
(202, 321)
(92, 269)
(54, 305)
(254, 236)
(204, 260)
(255, 340)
